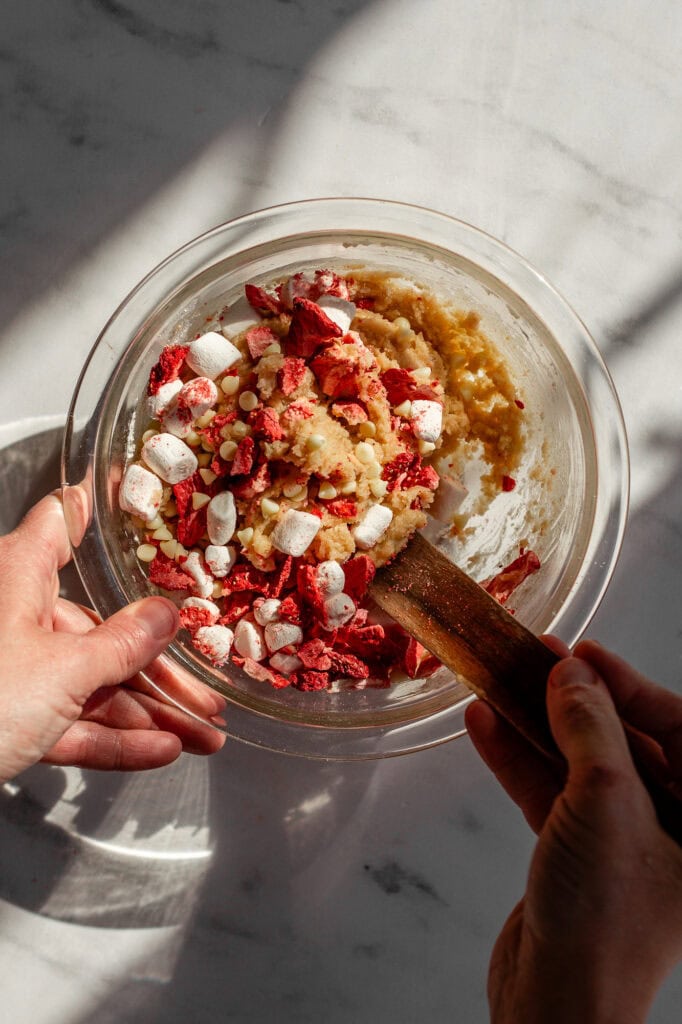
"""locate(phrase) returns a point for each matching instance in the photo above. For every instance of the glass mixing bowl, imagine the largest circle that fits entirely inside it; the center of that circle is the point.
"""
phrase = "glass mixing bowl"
(569, 505)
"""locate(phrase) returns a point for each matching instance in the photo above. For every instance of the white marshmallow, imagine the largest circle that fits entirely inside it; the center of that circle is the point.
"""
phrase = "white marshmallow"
(268, 611)
(249, 640)
(340, 608)
(220, 559)
(204, 605)
(221, 518)
(281, 634)
(285, 663)
(373, 526)
(158, 403)
(212, 354)
(140, 492)
(449, 496)
(331, 579)
(194, 399)
(239, 318)
(427, 419)
(169, 457)
(295, 532)
(195, 566)
(338, 310)
(215, 642)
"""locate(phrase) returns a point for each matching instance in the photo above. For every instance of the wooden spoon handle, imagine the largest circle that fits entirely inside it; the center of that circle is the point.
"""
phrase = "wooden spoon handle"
(498, 658)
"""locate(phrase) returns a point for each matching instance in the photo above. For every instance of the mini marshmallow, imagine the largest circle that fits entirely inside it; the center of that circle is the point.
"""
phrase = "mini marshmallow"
(211, 355)
(340, 608)
(195, 567)
(140, 493)
(215, 642)
(239, 318)
(338, 310)
(158, 403)
(427, 419)
(281, 634)
(220, 559)
(372, 528)
(449, 496)
(331, 578)
(286, 664)
(169, 457)
(194, 399)
(221, 518)
(268, 611)
(204, 605)
(295, 532)
(249, 640)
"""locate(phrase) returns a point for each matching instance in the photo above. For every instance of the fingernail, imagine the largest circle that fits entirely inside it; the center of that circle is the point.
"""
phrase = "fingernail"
(571, 672)
(157, 617)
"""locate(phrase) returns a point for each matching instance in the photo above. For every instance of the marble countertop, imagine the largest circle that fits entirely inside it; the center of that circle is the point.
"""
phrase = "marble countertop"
(286, 890)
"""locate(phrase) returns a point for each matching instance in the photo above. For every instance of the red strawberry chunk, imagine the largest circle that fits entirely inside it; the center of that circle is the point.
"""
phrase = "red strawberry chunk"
(245, 576)
(429, 665)
(324, 282)
(291, 609)
(168, 367)
(365, 303)
(310, 328)
(352, 412)
(242, 463)
(413, 656)
(211, 434)
(400, 385)
(258, 339)
(254, 484)
(314, 655)
(348, 665)
(395, 471)
(235, 606)
(263, 674)
(262, 301)
(290, 375)
(281, 577)
(192, 527)
(309, 589)
(421, 476)
(508, 483)
(344, 508)
(165, 573)
(311, 680)
(301, 410)
(265, 423)
(503, 585)
(183, 492)
(359, 573)
(336, 375)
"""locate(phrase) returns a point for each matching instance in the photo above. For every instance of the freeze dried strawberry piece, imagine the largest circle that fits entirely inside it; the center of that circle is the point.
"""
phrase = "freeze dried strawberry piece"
(309, 589)
(421, 476)
(265, 423)
(220, 467)
(336, 375)
(503, 585)
(194, 618)
(290, 375)
(314, 655)
(291, 609)
(359, 573)
(311, 681)
(242, 464)
(429, 665)
(165, 573)
(254, 484)
(395, 471)
(183, 492)
(400, 385)
(192, 527)
(327, 282)
(324, 282)
(508, 483)
(258, 339)
(310, 328)
(352, 412)
(300, 410)
(365, 303)
(235, 606)
(168, 367)
(344, 508)
(348, 665)
(263, 674)
(413, 657)
(260, 300)
(211, 433)
(245, 576)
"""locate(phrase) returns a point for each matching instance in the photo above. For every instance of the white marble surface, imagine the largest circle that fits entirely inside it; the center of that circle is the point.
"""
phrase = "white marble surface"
(292, 891)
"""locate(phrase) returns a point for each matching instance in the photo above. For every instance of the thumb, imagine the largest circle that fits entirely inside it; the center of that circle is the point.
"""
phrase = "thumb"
(123, 645)
(587, 729)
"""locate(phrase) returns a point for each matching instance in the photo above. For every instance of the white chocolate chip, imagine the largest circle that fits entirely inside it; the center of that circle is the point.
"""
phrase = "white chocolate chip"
(364, 452)
(427, 419)
(281, 634)
(379, 488)
(140, 492)
(221, 518)
(404, 409)
(248, 400)
(372, 528)
(268, 611)
(230, 385)
(340, 609)
(295, 532)
(421, 374)
(146, 552)
(208, 476)
(327, 491)
(228, 450)
(269, 507)
(249, 640)
(220, 558)
(315, 442)
(211, 355)
(331, 578)
(245, 536)
(169, 458)
(199, 500)
(426, 447)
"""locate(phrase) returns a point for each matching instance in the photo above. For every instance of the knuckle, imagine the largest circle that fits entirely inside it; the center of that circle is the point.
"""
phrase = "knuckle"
(123, 650)
(605, 777)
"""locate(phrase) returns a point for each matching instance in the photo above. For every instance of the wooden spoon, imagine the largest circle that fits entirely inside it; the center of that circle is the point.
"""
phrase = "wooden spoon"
(498, 658)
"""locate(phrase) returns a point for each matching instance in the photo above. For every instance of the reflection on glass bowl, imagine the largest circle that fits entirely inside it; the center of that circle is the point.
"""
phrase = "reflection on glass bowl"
(570, 504)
